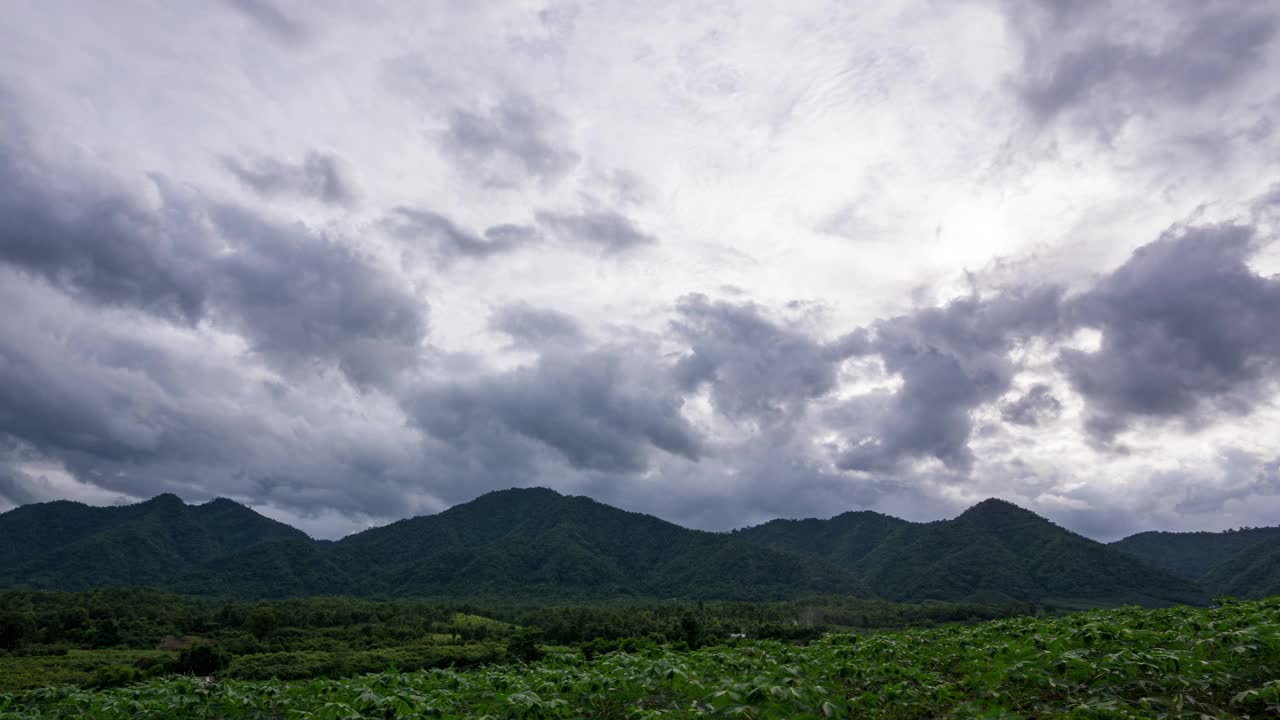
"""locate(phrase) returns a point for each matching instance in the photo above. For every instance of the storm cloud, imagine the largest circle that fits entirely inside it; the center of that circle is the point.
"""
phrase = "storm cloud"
(296, 295)
(598, 410)
(1187, 332)
(951, 360)
(754, 367)
(1037, 406)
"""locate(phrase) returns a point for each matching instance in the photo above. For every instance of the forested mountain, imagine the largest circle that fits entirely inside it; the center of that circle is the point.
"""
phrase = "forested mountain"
(536, 543)
(1252, 573)
(1193, 554)
(993, 551)
(66, 546)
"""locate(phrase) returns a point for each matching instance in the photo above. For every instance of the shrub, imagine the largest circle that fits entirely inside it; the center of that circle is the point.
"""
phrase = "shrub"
(523, 645)
(110, 676)
(201, 659)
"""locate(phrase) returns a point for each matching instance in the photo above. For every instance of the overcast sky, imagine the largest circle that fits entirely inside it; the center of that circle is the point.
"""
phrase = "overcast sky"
(721, 262)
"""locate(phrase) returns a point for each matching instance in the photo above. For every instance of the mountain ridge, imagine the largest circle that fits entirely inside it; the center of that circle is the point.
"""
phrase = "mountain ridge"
(993, 551)
(538, 542)
(1193, 554)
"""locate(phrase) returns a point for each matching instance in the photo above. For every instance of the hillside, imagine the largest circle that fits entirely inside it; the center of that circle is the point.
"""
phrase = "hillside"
(536, 543)
(1252, 573)
(512, 543)
(993, 551)
(1192, 554)
(68, 546)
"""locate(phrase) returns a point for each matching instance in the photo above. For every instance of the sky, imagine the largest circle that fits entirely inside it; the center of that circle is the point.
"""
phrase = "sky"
(721, 262)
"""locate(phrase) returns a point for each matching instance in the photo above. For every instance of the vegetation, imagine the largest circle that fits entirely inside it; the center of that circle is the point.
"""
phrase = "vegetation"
(995, 551)
(1193, 555)
(66, 545)
(1253, 573)
(535, 544)
(56, 637)
(1125, 663)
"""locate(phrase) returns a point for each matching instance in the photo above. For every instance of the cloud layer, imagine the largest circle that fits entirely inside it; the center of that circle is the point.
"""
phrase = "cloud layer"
(719, 266)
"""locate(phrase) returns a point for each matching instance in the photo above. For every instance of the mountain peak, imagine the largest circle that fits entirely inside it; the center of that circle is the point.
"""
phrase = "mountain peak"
(165, 500)
(996, 507)
(510, 500)
(522, 493)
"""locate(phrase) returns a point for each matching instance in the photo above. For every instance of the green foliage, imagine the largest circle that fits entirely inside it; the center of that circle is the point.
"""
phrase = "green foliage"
(202, 659)
(315, 664)
(109, 676)
(523, 645)
(530, 543)
(1253, 573)
(993, 552)
(59, 631)
(65, 545)
(75, 667)
(1193, 555)
(1126, 663)
(261, 622)
(536, 544)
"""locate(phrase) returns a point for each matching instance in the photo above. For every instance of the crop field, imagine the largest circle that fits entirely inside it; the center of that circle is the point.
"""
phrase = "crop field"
(1126, 663)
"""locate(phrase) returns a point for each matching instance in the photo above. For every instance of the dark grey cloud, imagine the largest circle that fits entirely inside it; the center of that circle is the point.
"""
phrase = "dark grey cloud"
(299, 296)
(267, 15)
(951, 360)
(605, 231)
(1188, 331)
(510, 143)
(599, 410)
(319, 176)
(446, 242)
(755, 367)
(15, 485)
(137, 406)
(1037, 406)
(536, 327)
(296, 295)
(1111, 60)
(102, 246)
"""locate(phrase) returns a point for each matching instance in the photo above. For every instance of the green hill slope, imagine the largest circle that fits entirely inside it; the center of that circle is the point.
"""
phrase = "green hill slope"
(993, 551)
(1192, 554)
(1252, 573)
(68, 546)
(537, 542)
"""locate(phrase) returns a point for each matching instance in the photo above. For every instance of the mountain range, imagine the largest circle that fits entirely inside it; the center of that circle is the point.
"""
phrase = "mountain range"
(537, 543)
(1242, 563)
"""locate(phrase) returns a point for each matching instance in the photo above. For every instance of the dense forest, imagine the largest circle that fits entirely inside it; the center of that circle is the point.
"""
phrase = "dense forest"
(537, 544)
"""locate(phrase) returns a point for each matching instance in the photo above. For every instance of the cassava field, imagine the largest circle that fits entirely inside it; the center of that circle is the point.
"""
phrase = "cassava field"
(1181, 662)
